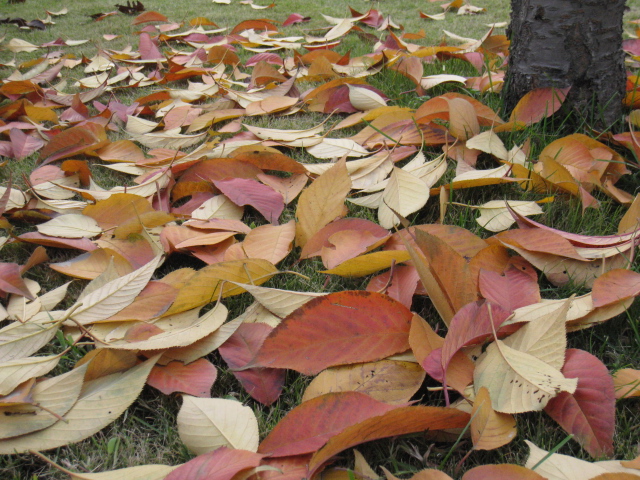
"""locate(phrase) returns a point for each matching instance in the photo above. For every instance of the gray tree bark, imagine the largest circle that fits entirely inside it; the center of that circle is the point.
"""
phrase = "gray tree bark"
(569, 43)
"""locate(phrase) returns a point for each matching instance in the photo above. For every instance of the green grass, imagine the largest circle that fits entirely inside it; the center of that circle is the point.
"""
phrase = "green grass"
(147, 432)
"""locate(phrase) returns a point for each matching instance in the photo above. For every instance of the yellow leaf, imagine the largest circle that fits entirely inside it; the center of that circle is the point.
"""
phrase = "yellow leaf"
(405, 194)
(57, 395)
(364, 99)
(495, 217)
(178, 331)
(208, 283)
(386, 380)
(490, 429)
(114, 295)
(101, 402)
(522, 373)
(14, 372)
(322, 202)
(369, 263)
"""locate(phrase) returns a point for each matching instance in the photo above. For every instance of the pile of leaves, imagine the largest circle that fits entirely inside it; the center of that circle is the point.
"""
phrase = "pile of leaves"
(204, 175)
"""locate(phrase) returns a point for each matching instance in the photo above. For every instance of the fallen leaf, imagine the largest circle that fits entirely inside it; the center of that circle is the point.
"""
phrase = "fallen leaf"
(589, 412)
(308, 426)
(388, 381)
(195, 379)
(206, 424)
(356, 327)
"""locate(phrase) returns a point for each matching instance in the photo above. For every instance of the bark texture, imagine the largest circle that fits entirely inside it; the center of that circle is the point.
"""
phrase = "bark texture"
(562, 43)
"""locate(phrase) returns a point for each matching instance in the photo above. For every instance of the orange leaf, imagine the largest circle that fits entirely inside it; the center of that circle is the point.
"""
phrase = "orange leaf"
(337, 329)
(400, 421)
(538, 104)
(196, 379)
(308, 426)
(149, 16)
(490, 429)
(614, 286)
(501, 472)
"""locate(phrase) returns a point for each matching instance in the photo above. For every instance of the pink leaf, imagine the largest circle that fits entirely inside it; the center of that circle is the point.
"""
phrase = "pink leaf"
(402, 286)
(295, 18)
(221, 464)
(471, 325)
(263, 384)
(588, 413)
(245, 191)
(24, 145)
(148, 49)
(513, 290)
(11, 281)
(196, 378)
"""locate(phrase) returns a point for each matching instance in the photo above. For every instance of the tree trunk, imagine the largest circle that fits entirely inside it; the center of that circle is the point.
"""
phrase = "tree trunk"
(569, 43)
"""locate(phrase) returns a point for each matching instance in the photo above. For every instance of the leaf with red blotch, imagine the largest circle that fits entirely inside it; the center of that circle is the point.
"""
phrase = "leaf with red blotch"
(512, 290)
(263, 384)
(295, 18)
(11, 281)
(614, 286)
(338, 329)
(221, 464)
(588, 413)
(196, 378)
(245, 191)
(472, 324)
(148, 49)
(311, 424)
(502, 471)
(400, 421)
(22, 144)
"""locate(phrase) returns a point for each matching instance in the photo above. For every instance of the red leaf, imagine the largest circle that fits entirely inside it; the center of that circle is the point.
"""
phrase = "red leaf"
(308, 426)
(614, 286)
(263, 384)
(589, 413)
(196, 378)
(503, 471)
(22, 144)
(11, 281)
(295, 18)
(513, 290)
(244, 191)
(400, 421)
(221, 464)
(338, 329)
(148, 49)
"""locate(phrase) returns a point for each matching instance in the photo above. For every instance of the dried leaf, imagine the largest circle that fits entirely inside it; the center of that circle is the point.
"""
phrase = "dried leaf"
(205, 424)
(356, 327)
